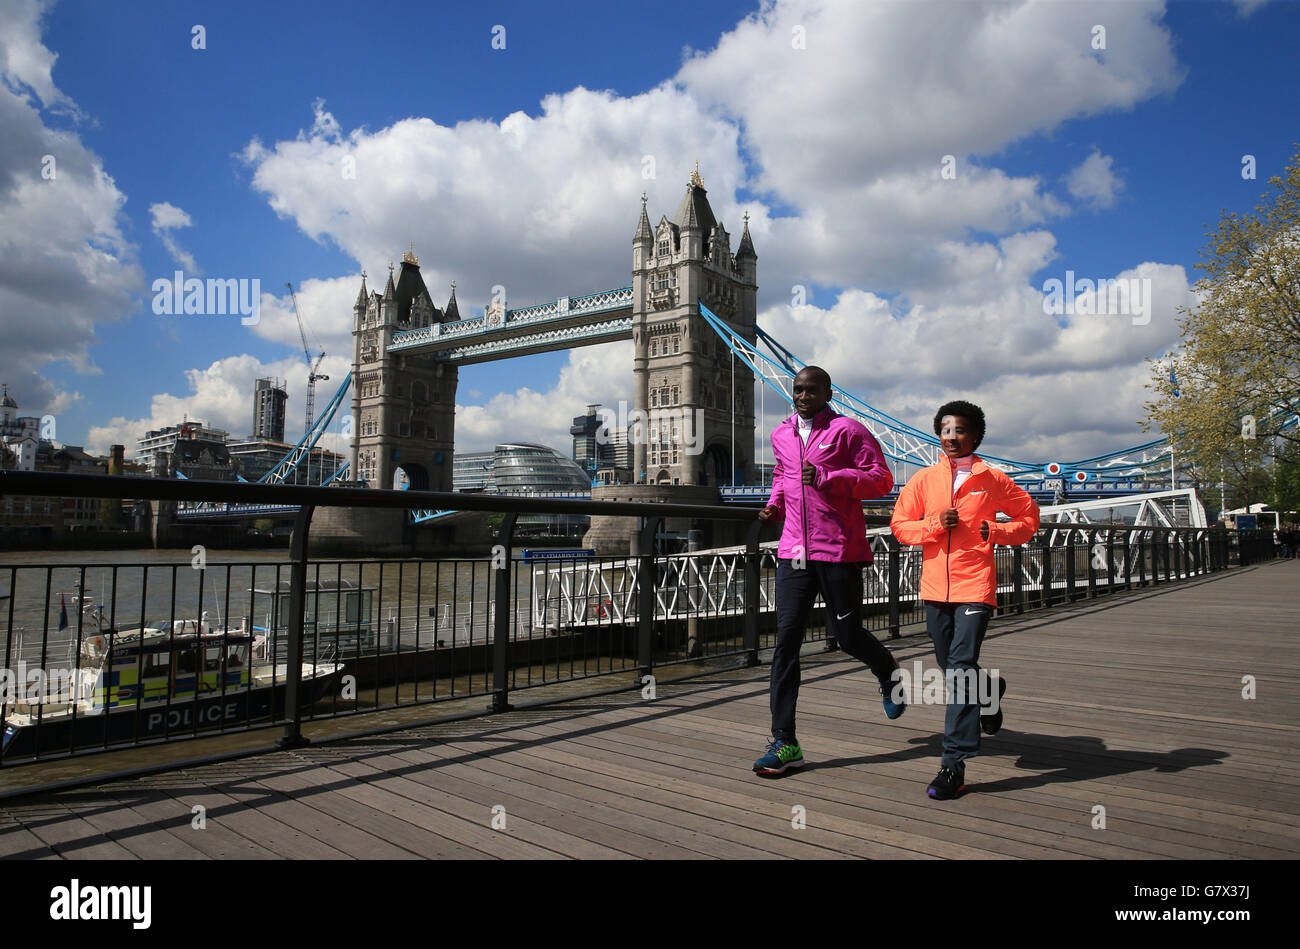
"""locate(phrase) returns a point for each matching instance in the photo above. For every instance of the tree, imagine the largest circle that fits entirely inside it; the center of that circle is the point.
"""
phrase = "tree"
(1239, 357)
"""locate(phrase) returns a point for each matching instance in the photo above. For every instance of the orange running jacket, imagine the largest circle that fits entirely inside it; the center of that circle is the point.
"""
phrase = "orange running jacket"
(958, 564)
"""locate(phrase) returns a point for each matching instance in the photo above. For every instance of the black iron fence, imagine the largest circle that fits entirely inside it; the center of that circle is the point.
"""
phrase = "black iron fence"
(100, 656)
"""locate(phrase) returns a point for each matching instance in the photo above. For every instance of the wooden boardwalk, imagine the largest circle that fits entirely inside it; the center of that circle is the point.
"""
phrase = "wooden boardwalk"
(1131, 703)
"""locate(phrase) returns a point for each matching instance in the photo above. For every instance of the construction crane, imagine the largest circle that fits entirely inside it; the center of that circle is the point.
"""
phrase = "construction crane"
(312, 374)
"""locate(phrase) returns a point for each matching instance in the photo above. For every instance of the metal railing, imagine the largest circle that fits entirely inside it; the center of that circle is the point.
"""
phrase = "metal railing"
(105, 656)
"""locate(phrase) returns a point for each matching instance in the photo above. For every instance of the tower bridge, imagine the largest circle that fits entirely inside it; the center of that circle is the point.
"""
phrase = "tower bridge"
(407, 355)
(690, 311)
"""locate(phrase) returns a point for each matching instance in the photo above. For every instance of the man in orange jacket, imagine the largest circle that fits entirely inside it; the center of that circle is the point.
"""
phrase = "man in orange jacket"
(950, 510)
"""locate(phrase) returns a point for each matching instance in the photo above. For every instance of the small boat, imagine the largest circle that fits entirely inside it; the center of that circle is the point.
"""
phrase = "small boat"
(163, 679)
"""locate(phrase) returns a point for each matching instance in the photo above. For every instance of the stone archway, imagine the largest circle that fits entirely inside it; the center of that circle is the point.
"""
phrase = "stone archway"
(411, 477)
(716, 469)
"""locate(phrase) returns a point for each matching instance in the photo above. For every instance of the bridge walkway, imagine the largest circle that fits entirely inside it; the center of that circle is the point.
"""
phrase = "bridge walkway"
(1132, 703)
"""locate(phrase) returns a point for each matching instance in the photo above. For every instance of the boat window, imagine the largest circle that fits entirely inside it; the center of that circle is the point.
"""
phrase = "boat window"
(357, 606)
(156, 664)
(212, 659)
(309, 609)
(187, 661)
(236, 656)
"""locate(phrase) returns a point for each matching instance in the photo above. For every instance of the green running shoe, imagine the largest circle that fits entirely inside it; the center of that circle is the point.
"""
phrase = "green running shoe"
(780, 756)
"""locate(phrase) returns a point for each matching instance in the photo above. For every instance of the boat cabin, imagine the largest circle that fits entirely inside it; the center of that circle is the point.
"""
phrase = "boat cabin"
(163, 661)
(331, 607)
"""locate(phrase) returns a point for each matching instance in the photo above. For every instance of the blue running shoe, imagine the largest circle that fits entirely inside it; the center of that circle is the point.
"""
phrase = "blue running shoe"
(887, 691)
(781, 755)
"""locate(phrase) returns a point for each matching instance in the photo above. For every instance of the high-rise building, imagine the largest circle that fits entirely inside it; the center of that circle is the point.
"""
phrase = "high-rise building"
(593, 446)
(269, 398)
(621, 454)
(155, 449)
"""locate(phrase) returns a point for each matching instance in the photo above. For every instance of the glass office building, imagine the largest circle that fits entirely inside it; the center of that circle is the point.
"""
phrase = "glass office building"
(526, 468)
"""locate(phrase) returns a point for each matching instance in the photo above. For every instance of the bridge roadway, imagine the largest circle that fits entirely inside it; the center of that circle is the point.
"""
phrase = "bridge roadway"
(1132, 702)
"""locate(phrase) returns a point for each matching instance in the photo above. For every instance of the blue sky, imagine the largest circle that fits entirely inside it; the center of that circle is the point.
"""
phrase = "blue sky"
(1107, 162)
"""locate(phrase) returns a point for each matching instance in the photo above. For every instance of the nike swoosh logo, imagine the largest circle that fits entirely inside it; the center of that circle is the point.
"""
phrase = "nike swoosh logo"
(823, 446)
(979, 492)
(973, 613)
(849, 613)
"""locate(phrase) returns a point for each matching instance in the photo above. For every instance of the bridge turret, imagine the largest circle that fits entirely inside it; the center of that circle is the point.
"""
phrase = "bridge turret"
(453, 311)
(701, 416)
(404, 404)
(643, 241)
(692, 231)
(747, 265)
(362, 296)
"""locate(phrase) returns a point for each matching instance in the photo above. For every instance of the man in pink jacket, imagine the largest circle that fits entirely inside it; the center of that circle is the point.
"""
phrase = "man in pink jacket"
(826, 466)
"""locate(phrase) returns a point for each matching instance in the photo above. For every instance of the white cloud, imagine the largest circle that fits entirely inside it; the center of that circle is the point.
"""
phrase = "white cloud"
(65, 265)
(1061, 387)
(544, 206)
(1246, 7)
(889, 88)
(26, 64)
(1094, 181)
(166, 218)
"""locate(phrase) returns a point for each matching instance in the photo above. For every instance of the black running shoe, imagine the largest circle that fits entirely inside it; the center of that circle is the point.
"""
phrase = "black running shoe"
(991, 722)
(947, 784)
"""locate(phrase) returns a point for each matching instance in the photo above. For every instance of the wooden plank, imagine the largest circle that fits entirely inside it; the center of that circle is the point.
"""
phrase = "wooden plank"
(254, 812)
(681, 742)
(936, 722)
(980, 760)
(554, 820)
(1077, 818)
(68, 834)
(465, 822)
(172, 814)
(912, 815)
(569, 787)
(560, 835)
(19, 843)
(354, 803)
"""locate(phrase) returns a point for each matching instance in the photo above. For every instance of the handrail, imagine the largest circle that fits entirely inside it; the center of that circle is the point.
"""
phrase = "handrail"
(163, 489)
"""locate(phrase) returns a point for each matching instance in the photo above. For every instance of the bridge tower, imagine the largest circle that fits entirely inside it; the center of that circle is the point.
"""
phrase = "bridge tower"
(403, 406)
(700, 406)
